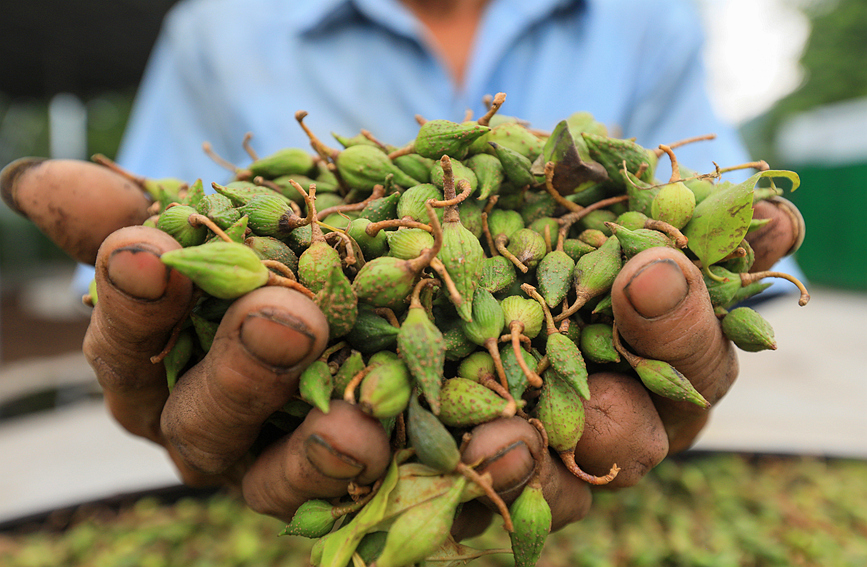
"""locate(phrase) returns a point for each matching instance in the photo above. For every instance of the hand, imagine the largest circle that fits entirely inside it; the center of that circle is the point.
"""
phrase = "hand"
(216, 411)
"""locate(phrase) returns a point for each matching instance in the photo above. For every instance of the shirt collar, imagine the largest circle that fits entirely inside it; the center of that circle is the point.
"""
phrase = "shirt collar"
(319, 15)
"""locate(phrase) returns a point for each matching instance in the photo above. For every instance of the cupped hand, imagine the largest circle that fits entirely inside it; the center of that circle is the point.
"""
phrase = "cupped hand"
(212, 418)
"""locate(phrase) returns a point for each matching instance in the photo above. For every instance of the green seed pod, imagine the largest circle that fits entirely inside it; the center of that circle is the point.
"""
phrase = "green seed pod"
(498, 274)
(631, 219)
(385, 281)
(568, 363)
(516, 167)
(340, 221)
(561, 411)
(487, 318)
(554, 275)
(270, 216)
(193, 194)
(353, 364)
(408, 243)
(531, 516)
(363, 167)
(219, 209)
(178, 357)
(674, 204)
(700, 188)
(641, 194)
(576, 248)
(528, 246)
(597, 343)
(434, 445)
(634, 241)
(313, 519)
(517, 138)
(459, 170)
(416, 166)
(423, 350)
(412, 202)
(664, 379)
(463, 258)
(505, 222)
(595, 272)
(316, 384)
(175, 221)
(381, 209)
(371, 333)
(722, 292)
(269, 248)
(286, 161)
(464, 403)
(315, 265)
(489, 174)
(386, 389)
(476, 366)
(748, 330)
(237, 231)
(741, 264)
(527, 311)
(603, 306)
(515, 376)
(240, 192)
(338, 302)
(222, 269)
(437, 138)
(597, 220)
(371, 246)
(612, 152)
(748, 291)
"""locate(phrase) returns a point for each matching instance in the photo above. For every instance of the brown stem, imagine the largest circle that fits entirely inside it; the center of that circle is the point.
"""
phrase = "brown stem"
(489, 492)
(367, 134)
(406, 150)
(388, 315)
(752, 277)
(500, 246)
(531, 291)
(284, 270)
(197, 220)
(373, 228)
(568, 458)
(274, 279)
(424, 259)
(415, 301)
(320, 148)
(533, 378)
(632, 359)
(378, 191)
(491, 383)
(440, 269)
(549, 187)
(491, 346)
(684, 142)
(457, 200)
(761, 165)
(209, 151)
(581, 299)
(493, 107)
(349, 257)
(112, 165)
(567, 220)
(679, 239)
(675, 169)
(338, 511)
(248, 148)
(349, 392)
(540, 427)
(326, 354)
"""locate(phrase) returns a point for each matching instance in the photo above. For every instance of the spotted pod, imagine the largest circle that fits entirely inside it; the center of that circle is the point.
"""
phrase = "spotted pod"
(497, 274)
(433, 443)
(270, 248)
(516, 167)
(223, 269)
(634, 241)
(595, 272)
(285, 161)
(407, 243)
(576, 248)
(487, 319)
(315, 265)
(423, 349)
(515, 376)
(381, 209)
(313, 519)
(371, 246)
(338, 302)
(561, 412)
(363, 167)
(459, 171)
(674, 203)
(176, 221)
(353, 364)
(612, 152)
(554, 275)
(531, 516)
(463, 258)
(528, 246)
(464, 403)
(663, 379)
(386, 389)
(436, 138)
(412, 202)
(597, 343)
(489, 174)
(567, 361)
(371, 333)
(415, 165)
(517, 138)
(527, 311)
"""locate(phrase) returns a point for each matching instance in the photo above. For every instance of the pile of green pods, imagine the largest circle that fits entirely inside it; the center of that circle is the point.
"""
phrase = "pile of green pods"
(465, 276)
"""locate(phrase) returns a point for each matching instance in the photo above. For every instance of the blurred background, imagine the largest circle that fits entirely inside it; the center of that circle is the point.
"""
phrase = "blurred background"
(790, 73)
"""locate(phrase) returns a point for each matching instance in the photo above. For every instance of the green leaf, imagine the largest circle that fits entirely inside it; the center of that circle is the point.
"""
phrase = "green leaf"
(721, 220)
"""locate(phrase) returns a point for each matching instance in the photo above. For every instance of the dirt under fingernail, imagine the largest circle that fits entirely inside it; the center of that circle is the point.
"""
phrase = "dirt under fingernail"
(657, 288)
(138, 272)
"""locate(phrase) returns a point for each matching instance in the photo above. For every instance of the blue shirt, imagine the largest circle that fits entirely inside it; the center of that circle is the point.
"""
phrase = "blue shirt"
(223, 68)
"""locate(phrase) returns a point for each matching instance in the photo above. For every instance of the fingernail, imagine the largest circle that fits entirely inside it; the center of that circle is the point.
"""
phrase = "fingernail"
(276, 338)
(138, 272)
(329, 461)
(657, 288)
(510, 468)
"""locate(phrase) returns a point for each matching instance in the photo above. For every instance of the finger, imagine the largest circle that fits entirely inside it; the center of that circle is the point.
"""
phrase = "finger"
(511, 451)
(140, 302)
(318, 460)
(663, 311)
(621, 426)
(77, 204)
(782, 236)
(264, 342)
